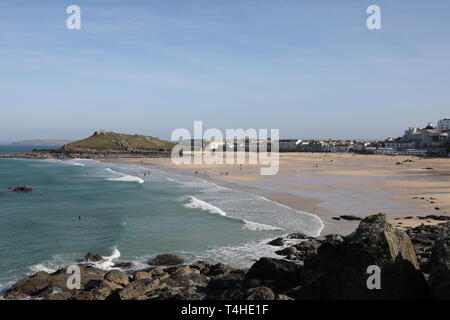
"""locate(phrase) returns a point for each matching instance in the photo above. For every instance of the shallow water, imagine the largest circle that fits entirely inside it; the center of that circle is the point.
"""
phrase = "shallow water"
(129, 216)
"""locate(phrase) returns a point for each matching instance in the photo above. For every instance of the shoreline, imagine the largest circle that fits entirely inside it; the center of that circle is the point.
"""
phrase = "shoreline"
(341, 184)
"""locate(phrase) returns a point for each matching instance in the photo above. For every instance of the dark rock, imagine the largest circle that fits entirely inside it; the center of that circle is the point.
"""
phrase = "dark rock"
(22, 189)
(336, 218)
(440, 269)
(166, 260)
(339, 270)
(92, 257)
(287, 251)
(103, 291)
(350, 218)
(219, 269)
(124, 265)
(279, 242)
(277, 274)
(435, 217)
(202, 266)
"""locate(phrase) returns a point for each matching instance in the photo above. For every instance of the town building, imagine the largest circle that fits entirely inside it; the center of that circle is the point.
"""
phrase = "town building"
(444, 124)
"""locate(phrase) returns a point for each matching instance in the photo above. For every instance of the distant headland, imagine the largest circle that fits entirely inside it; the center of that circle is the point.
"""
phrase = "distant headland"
(103, 144)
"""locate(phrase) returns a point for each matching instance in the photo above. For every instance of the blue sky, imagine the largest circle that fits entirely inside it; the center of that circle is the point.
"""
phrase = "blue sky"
(309, 68)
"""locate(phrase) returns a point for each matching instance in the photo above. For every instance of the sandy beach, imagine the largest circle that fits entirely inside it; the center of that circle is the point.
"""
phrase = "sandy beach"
(332, 184)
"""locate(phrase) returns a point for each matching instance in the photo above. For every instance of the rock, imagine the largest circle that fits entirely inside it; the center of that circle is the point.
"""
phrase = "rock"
(180, 270)
(219, 269)
(124, 265)
(201, 266)
(339, 270)
(350, 218)
(336, 218)
(435, 217)
(287, 251)
(92, 257)
(277, 274)
(32, 286)
(102, 292)
(260, 293)
(226, 287)
(440, 269)
(297, 236)
(22, 189)
(117, 277)
(138, 288)
(142, 275)
(166, 260)
(277, 242)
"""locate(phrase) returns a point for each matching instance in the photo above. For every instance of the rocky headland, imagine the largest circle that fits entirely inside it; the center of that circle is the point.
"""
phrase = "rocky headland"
(105, 145)
(413, 264)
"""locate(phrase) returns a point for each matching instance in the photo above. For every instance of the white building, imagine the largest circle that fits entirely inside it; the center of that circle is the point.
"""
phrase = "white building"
(414, 152)
(399, 144)
(386, 151)
(443, 124)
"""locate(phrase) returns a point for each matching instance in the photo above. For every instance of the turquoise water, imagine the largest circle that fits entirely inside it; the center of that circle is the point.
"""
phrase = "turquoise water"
(128, 216)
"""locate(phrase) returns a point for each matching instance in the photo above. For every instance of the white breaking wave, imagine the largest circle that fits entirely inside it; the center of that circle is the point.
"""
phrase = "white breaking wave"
(254, 226)
(124, 177)
(74, 163)
(41, 267)
(108, 262)
(250, 225)
(203, 205)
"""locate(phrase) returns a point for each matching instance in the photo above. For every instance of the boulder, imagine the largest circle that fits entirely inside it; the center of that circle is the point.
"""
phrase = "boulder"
(166, 260)
(440, 269)
(92, 257)
(117, 277)
(142, 275)
(137, 289)
(274, 273)
(260, 293)
(287, 251)
(279, 242)
(340, 268)
(103, 291)
(29, 287)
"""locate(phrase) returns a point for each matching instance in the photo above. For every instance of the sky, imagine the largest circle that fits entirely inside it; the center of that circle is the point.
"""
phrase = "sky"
(311, 69)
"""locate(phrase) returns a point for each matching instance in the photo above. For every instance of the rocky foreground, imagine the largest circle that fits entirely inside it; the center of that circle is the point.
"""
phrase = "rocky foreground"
(414, 264)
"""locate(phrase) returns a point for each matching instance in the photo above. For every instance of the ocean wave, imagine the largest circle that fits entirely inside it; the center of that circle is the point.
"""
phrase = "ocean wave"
(203, 205)
(108, 261)
(124, 177)
(74, 163)
(254, 226)
(239, 256)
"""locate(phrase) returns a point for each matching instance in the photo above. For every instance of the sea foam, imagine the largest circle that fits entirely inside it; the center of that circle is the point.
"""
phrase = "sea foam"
(124, 177)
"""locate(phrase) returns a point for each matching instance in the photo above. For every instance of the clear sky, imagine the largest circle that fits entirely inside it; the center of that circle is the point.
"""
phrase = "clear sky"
(309, 68)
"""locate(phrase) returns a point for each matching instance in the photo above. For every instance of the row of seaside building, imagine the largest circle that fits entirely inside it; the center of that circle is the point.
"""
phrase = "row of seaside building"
(428, 141)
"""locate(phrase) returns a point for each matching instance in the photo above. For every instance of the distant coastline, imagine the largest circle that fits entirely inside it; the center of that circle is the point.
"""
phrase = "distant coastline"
(41, 142)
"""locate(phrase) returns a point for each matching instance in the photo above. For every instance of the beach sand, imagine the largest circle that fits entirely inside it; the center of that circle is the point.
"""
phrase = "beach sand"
(333, 184)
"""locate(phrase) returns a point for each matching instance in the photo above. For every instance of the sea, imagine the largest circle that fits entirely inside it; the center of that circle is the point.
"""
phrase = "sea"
(129, 213)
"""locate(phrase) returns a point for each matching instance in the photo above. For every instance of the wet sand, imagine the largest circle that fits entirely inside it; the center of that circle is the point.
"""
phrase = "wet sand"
(330, 185)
